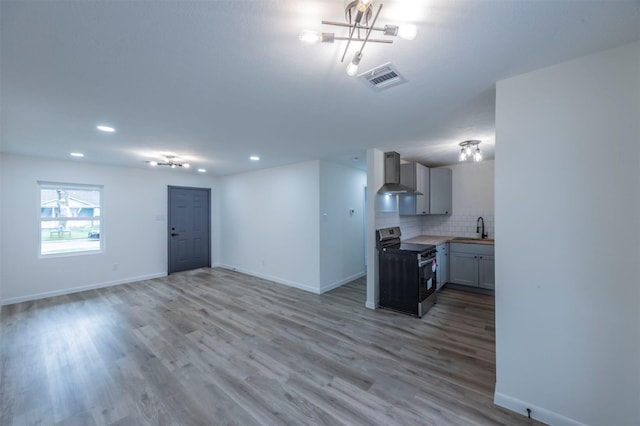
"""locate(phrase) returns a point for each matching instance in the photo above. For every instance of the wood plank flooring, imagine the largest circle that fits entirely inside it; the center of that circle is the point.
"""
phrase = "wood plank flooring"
(213, 346)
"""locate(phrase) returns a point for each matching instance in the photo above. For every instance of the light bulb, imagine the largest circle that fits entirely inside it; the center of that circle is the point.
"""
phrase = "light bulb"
(173, 166)
(352, 68)
(309, 37)
(186, 165)
(363, 4)
(408, 31)
(153, 163)
(477, 156)
(467, 151)
(463, 155)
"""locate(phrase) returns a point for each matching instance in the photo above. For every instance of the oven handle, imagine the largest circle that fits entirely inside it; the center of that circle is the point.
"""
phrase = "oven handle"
(426, 262)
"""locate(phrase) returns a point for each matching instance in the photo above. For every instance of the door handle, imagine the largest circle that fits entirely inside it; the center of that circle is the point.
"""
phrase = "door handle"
(174, 234)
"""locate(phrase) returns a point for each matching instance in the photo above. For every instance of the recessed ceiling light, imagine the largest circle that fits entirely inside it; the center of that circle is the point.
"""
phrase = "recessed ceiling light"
(202, 170)
(77, 154)
(107, 129)
(254, 158)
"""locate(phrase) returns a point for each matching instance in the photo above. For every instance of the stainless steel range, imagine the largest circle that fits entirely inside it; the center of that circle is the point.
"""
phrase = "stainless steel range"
(407, 273)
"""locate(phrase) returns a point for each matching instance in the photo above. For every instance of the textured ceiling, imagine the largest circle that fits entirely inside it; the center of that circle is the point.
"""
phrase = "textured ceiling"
(217, 81)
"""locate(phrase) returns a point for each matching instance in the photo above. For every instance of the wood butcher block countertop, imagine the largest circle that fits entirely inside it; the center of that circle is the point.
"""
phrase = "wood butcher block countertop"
(437, 239)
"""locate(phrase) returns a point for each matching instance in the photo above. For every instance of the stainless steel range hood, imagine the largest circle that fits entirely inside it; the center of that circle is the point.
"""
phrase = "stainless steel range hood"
(392, 183)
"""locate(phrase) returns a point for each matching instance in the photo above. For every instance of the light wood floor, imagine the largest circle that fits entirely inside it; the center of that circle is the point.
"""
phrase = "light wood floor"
(217, 347)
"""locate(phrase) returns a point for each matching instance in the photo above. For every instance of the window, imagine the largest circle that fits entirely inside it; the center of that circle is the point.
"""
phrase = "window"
(70, 219)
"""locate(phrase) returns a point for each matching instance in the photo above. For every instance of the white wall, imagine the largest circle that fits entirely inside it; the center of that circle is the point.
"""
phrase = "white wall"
(568, 240)
(375, 179)
(134, 220)
(270, 225)
(341, 233)
(473, 185)
(1, 204)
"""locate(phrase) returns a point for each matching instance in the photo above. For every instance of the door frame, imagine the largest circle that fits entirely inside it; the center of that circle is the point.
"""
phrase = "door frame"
(169, 188)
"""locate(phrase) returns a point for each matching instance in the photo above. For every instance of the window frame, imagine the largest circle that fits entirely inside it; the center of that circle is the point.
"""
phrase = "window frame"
(48, 185)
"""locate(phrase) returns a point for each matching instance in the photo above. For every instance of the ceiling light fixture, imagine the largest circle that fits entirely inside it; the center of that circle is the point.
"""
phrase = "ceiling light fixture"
(470, 149)
(171, 162)
(254, 158)
(77, 154)
(202, 170)
(358, 14)
(107, 129)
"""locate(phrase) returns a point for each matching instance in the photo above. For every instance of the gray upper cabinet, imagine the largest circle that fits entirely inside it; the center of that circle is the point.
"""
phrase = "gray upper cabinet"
(434, 184)
(415, 176)
(440, 191)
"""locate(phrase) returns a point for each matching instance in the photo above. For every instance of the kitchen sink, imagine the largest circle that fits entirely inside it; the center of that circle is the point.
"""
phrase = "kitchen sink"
(488, 240)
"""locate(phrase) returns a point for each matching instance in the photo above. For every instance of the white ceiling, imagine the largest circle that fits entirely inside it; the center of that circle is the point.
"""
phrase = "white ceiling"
(217, 81)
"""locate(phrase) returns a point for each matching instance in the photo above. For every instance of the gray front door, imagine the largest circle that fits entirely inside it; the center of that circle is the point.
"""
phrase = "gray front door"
(189, 228)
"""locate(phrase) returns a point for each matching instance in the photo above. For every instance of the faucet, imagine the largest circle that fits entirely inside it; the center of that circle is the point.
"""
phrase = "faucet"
(484, 234)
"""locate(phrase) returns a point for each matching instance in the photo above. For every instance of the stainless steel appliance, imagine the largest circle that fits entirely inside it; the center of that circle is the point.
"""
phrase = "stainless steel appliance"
(407, 273)
(392, 183)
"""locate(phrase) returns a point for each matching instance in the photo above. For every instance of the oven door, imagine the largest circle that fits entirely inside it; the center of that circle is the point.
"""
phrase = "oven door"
(427, 277)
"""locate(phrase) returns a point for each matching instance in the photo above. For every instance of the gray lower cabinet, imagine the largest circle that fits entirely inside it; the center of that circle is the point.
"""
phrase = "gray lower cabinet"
(442, 260)
(486, 272)
(472, 265)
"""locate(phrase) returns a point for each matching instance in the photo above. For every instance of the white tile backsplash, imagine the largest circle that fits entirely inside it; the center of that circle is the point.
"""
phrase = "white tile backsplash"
(458, 224)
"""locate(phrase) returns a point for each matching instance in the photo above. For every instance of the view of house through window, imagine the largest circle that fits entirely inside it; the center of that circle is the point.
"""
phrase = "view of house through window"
(70, 219)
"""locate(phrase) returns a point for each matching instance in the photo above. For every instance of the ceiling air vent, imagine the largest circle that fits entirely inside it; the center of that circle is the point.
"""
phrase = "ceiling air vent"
(382, 77)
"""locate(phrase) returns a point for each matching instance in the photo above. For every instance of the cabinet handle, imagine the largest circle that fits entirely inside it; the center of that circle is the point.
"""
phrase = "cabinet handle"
(475, 257)
(480, 257)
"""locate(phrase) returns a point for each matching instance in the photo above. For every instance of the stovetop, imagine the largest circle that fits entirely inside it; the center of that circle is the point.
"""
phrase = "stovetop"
(388, 240)
(409, 248)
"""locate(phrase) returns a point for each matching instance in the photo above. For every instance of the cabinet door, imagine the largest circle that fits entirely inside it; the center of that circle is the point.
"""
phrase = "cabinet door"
(441, 260)
(438, 269)
(440, 191)
(408, 175)
(445, 264)
(422, 179)
(464, 269)
(486, 272)
(415, 176)
(407, 205)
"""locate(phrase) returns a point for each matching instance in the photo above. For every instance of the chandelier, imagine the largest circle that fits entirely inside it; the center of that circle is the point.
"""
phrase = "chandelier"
(358, 16)
(467, 151)
(171, 162)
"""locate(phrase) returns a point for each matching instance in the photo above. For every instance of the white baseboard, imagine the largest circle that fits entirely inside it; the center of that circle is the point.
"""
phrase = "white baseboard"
(538, 413)
(278, 280)
(370, 305)
(71, 290)
(342, 282)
